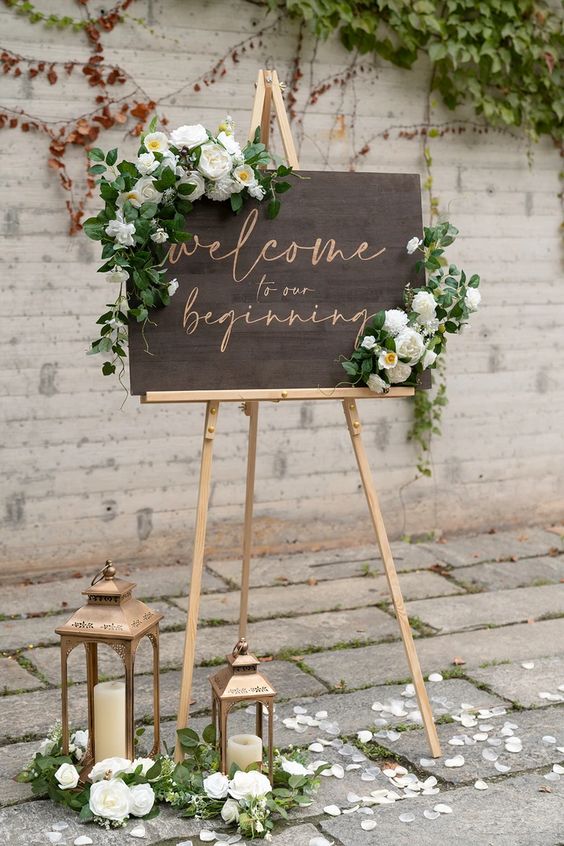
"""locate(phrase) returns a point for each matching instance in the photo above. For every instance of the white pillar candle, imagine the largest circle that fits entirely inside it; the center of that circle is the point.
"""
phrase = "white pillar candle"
(244, 749)
(109, 720)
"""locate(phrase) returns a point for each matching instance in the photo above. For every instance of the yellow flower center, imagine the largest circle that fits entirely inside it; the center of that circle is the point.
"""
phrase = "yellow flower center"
(390, 358)
(154, 145)
(243, 176)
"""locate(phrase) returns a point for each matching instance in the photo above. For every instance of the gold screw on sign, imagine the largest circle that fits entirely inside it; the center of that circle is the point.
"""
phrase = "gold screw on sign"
(356, 424)
(211, 429)
(284, 394)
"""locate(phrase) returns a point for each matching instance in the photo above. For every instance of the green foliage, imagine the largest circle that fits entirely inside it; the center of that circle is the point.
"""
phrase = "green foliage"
(500, 56)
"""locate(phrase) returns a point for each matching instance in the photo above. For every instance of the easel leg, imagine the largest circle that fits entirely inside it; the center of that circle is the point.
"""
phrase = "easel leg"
(212, 408)
(251, 410)
(354, 427)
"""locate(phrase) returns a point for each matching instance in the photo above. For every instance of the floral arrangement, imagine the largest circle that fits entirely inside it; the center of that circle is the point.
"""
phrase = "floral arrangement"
(118, 789)
(146, 202)
(398, 344)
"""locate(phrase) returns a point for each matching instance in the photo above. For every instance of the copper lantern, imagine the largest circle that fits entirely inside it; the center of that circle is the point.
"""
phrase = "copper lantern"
(241, 682)
(112, 617)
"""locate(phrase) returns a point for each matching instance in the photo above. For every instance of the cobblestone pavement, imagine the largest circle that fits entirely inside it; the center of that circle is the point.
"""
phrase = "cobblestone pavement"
(488, 616)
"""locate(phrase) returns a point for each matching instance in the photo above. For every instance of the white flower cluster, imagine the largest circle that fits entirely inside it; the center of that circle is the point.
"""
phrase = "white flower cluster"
(242, 789)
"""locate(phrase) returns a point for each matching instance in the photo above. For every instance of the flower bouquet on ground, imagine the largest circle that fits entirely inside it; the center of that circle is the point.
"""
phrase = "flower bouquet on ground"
(118, 789)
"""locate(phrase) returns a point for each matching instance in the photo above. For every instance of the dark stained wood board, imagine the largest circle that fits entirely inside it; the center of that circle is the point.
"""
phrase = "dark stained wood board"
(360, 221)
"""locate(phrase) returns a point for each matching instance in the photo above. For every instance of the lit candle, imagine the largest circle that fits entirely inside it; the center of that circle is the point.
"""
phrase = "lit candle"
(244, 749)
(109, 720)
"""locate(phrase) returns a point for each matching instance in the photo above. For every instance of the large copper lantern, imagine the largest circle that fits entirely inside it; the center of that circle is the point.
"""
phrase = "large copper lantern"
(241, 682)
(111, 617)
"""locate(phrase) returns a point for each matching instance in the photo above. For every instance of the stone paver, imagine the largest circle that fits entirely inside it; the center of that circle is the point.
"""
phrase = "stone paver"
(66, 593)
(13, 677)
(267, 638)
(484, 609)
(513, 812)
(498, 575)
(13, 759)
(19, 633)
(517, 543)
(532, 726)
(386, 662)
(334, 564)
(522, 685)
(267, 602)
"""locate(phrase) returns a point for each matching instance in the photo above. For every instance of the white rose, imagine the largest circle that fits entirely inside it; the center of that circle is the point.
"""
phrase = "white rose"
(222, 189)
(146, 164)
(245, 175)
(399, 373)
(257, 191)
(215, 161)
(109, 767)
(67, 776)
(428, 359)
(156, 142)
(189, 136)
(192, 178)
(159, 236)
(409, 345)
(110, 799)
(249, 785)
(294, 768)
(424, 304)
(121, 231)
(141, 799)
(376, 384)
(387, 359)
(412, 244)
(216, 786)
(395, 321)
(230, 811)
(80, 738)
(145, 187)
(119, 276)
(146, 763)
(472, 299)
(46, 746)
(172, 287)
(369, 342)
(230, 144)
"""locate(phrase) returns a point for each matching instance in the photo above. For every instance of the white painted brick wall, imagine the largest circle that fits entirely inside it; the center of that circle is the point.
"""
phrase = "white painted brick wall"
(82, 479)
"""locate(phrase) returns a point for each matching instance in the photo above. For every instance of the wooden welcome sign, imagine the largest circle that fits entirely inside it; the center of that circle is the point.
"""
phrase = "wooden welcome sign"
(272, 304)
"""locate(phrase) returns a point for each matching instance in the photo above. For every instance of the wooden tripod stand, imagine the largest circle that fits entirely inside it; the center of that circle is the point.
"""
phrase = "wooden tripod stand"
(268, 95)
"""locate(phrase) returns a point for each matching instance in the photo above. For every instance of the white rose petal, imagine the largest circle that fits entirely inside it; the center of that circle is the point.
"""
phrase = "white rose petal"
(480, 785)
(457, 761)
(83, 840)
(435, 677)
(189, 136)
(364, 736)
(332, 810)
(138, 831)
(110, 799)
(54, 836)
(294, 768)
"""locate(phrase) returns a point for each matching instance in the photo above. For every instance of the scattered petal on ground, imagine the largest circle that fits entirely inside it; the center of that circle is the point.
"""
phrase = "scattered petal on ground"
(431, 815)
(443, 809)
(435, 677)
(332, 810)
(528, 665)
(457, 761)
(480, 785)
(368, 825)
(549, 739)
(84, 840)
(138, 832)
(319, 840)
(364, 736)
(406, 818)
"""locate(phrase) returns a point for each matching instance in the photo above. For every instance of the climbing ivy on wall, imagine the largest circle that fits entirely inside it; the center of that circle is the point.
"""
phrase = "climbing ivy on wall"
(500, 56)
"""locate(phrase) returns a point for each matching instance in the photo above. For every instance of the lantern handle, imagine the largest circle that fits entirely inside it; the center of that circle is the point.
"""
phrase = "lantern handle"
(240, 648)
(108, 571)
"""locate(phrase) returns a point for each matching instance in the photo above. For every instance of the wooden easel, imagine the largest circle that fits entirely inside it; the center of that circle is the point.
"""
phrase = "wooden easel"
(268, 94)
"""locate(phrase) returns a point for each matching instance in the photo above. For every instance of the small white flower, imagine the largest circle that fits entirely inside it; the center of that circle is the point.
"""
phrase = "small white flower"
(249, 785)
(216, 786)
(172, 287)
(428, 359)
(294, 767)
(192, 178)
(472, 299)
(133, 196)
(146, 164)
(111, 766)
(46, 746)
(145, 187)
(67, 776)
(230, 811)
(156, 142)
(112, 173)
(413, 244)
(189, 136)
(387, 359)
(410, 346)
(80, 738)
(222, 189)
(110, 799)
(169, 160)
(230, 144)
(257, 191)
(399, 373)
(146, 763)
(119, 276)
(141, 799)
(424, 304)
(245, 175)
(395, 320)
(159, 236)
(122, 232)
(369, 342)
(215, 161)
(376, 384)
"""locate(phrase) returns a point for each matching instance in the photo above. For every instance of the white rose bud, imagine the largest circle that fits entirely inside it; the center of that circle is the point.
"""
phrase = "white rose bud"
(428, 359)
(369, 342)
(119, 276)
(67, 776)
(172, 287)
(141, 799)
(230, 811)
(159, 236)
(472, 299)
(412, 244)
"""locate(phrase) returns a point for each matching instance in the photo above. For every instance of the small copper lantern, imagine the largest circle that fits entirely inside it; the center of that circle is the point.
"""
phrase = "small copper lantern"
(114, 618)
(240, 682)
